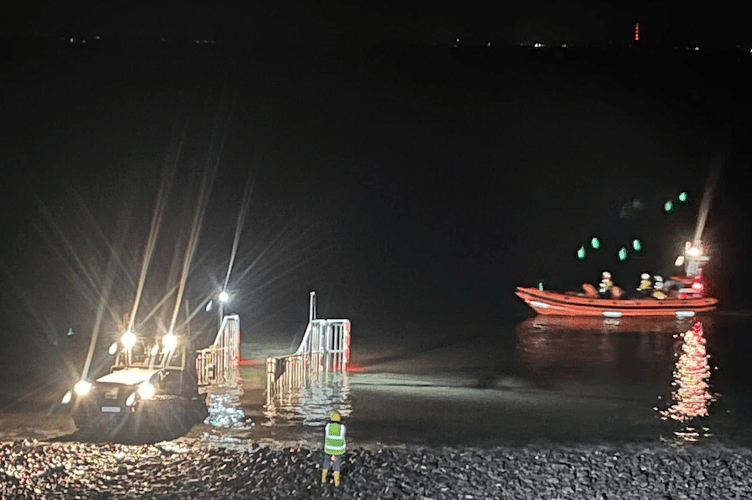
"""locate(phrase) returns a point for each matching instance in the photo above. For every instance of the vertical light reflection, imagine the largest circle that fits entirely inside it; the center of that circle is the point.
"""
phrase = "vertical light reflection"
(225, 410)
(311, 403)
(691, 394)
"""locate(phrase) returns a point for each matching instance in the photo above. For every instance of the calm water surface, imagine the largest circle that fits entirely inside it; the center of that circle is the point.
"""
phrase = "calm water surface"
(543, 380)
(539, 380)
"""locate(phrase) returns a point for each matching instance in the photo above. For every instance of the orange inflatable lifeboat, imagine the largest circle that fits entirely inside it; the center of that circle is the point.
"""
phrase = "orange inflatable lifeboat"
(688, 301)
(589, 303)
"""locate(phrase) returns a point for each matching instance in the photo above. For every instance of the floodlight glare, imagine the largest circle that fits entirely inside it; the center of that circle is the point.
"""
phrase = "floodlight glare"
(170, 341)
(82, 387)
(128, 339)
(146, 390)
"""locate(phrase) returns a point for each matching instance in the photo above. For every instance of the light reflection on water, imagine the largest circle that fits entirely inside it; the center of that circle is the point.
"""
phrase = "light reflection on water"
(639, 350)
(568, 381)
(592, 347)
(691, 394)
(225, 410)
(310, 404)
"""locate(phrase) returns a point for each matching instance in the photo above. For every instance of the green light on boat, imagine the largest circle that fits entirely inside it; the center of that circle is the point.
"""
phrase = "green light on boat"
(683, 196)
(668, 206)
(595, 243)
(623, 254)
(540, 285)
(636, 244)
(581, 253)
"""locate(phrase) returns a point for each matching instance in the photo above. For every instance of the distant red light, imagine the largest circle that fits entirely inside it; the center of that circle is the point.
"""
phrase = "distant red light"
(244, 362)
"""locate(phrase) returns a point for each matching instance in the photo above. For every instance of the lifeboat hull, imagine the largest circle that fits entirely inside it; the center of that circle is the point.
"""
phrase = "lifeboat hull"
(570, 304)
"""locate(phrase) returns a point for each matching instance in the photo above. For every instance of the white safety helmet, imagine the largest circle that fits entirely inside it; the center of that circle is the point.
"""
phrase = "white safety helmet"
(645, 276)
(658, 278)
(606, 274)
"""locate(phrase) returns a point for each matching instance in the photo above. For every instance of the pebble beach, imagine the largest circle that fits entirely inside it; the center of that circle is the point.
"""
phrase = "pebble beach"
(182, 470)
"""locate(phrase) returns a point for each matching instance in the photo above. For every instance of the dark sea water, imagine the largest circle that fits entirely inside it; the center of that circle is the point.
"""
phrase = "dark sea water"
(541, 381)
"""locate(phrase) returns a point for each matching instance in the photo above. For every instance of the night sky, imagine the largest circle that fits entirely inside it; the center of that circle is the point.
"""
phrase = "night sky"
(290, 22)
(411, 183)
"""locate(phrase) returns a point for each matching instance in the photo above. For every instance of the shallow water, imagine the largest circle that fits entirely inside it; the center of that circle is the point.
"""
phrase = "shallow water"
(540, 381)
(583, 382)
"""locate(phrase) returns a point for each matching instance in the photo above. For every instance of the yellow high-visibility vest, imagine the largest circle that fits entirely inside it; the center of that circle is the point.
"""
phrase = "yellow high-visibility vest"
(334, 443)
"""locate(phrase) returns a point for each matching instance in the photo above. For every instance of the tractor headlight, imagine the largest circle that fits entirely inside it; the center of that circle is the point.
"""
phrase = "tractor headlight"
(130, 399)
(128, 339)
(82, 388)
(67, 398)
(146, 390)
(169, 341)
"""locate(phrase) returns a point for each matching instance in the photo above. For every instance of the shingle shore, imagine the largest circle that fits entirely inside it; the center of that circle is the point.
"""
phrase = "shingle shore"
(30, 469)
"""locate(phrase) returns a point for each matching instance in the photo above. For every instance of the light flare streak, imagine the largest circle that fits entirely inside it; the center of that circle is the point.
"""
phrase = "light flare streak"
(247, 193)
(168, 176)
(102, 291)
(707, 197)
(219, 135)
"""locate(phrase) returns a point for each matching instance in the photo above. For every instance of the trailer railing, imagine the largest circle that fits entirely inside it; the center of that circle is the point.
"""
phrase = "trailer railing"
(325, 349)
(219, 363)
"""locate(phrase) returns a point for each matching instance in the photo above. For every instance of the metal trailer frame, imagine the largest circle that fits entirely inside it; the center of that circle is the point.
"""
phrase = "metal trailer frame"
(325, 348)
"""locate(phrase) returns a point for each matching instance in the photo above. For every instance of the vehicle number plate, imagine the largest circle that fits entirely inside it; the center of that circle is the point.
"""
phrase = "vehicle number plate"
(110, 409)
(111, 395)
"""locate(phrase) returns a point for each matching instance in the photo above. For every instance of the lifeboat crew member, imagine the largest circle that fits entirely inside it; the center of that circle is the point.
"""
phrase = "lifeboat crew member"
(334, 447)
(645, 285)
(606, 285)
(658, 291)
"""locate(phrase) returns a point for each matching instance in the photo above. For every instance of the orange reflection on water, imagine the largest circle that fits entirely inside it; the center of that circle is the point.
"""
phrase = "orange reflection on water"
(691, 394)
(552, 349)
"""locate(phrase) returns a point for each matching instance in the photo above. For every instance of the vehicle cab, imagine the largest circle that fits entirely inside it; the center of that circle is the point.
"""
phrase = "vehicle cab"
(147, 374)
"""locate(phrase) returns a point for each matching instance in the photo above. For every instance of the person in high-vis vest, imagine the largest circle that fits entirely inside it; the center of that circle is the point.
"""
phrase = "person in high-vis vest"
(658, 291)
(643, 290)
(605, 288)
(334, 447)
